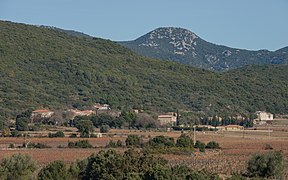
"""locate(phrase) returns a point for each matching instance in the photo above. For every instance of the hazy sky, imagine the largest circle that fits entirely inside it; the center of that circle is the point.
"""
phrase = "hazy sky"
(248, 24)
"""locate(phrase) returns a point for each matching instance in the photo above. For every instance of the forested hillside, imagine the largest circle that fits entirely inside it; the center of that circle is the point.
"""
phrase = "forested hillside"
(45, 68)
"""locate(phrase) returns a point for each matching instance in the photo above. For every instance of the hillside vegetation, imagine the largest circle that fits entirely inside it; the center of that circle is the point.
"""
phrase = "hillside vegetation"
(45, 68)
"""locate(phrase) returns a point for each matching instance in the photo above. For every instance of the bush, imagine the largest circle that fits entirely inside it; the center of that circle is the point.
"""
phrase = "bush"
(112, 165)
(200, 145)
(133, 140)
(104, 129)
(111, 144)
(55, 170)
(159, 172)
(16, 167)
(184, 141)
(11, 145)
(80, 144)
(268, 165)
(71, 144)
(15, 133)
(57, 134)
(73, 135)
(119, 143)
(237, 177)
(161, 141)
(77, 169)
(212, 145)
(38, 145)
(105, 165)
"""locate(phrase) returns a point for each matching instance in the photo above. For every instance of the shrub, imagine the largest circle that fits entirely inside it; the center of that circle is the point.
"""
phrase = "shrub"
(15, 133)
(133, 140)
(57, 134)
(55, 170)
(113, 144)
(38, 145)
(159, 172)
(77, 169)
(237, 177)
(184, 141)
(11, 145)
(16, 167)
(104, 129)
(71, 144)
(162, 141)
(104, 165)
(212, 145)
(268, 165)
(80, 144)
(200, 145)
(73, 135)
(119, 143)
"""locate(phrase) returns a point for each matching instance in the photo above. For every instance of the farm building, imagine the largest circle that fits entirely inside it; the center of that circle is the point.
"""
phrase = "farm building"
(101, 106)
(40, 114)
(169, 118)
(230, 128)
(263, 117)
(75, 112)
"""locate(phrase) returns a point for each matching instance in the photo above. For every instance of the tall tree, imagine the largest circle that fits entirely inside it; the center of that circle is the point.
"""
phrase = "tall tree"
(85, 127)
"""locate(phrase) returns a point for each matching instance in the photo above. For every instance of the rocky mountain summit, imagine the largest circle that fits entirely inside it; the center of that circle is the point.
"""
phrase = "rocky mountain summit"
(184, 46)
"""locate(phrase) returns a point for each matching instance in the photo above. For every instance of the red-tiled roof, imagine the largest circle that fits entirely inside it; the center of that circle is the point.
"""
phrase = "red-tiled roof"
(41, 111)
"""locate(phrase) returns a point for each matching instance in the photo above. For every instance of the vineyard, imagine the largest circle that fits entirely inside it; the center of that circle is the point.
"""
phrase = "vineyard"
(236, 148)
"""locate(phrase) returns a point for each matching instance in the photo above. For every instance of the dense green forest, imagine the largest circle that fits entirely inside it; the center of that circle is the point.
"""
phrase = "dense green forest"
(45, 68)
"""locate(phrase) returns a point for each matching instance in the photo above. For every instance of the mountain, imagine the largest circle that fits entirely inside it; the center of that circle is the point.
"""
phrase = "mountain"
(44, 68)
(184, 46)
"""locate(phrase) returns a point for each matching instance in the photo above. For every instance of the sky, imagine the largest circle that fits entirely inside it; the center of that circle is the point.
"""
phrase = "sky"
(245, 24)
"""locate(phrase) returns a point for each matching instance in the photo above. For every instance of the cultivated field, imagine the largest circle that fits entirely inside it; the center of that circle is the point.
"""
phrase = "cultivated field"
(236, 147)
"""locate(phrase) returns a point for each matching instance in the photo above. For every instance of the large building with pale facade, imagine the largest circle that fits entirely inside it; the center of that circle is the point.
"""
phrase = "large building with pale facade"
(263, 117)
(168, 118)
(40, 114)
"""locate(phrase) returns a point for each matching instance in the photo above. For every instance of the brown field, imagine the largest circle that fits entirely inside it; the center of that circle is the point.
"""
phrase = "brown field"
(236, 147)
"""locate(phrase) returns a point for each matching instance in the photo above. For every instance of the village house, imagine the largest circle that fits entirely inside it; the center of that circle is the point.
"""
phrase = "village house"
(168, 118)
(263, 117)
(99, 106)
(75, 112)
(40, 114)
(230, 128)
(98, 135)
(206, 126)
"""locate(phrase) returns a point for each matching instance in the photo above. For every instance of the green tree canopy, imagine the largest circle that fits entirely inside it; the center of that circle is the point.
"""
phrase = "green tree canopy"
(268, 165)
(162, 141)
(17, 167)
(133, 140)
(184, 141)
(56, 170)
(85, 127)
